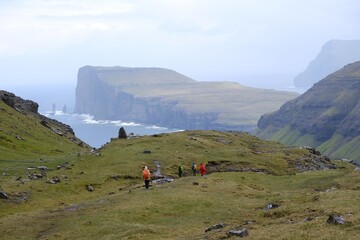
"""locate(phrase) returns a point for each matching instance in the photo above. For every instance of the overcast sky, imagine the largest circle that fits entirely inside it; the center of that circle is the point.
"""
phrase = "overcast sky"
(47, 41)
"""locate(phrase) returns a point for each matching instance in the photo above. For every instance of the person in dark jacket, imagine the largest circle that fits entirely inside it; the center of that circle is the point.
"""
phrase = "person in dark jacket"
(194, 168)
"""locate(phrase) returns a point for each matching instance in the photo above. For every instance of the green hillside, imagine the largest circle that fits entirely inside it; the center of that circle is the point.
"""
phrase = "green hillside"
(23, 137)
(326, 116)
(28, 139)
(245, 175)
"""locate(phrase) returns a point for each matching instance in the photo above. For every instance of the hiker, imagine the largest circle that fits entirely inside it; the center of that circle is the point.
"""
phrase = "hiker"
(202, 169)
(181, 170)
(146, 176)
(194, 168)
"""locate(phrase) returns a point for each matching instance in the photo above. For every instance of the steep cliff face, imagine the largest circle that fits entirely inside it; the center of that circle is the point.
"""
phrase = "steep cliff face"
(166, 98)
(326, 116)
(334, 55)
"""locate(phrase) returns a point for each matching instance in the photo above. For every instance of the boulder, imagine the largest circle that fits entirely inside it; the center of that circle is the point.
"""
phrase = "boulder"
(240, 233)
(54, 180)
(216, 226)
(90, 188)
(270, 206)
(336, 219)
(43, 168)
(3, 195)
(35, 176)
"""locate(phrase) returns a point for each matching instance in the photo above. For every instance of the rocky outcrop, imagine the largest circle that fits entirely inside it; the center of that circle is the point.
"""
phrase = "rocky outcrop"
(21, 105)
(327, 116)
(166, 98)
(334, 55)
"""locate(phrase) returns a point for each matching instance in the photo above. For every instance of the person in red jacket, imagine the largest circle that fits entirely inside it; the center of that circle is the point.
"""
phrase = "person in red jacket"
(202, 169)
(146, 176)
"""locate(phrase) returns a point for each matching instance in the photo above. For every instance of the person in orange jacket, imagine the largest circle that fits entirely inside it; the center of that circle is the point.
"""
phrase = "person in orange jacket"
(146, 176)
(202, 169)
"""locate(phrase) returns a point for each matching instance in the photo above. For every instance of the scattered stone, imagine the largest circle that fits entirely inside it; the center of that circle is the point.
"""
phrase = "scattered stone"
(195, 183)
(19, 137)
(348, 160)
(270, 206)
(163, 180)
(64, 165)
(357, 169)
(3, 195)
(147, 151)
(64, 177)
(336, 219)
(248, 222)
(58, 131)
(216, 226)
(116, 177)
(45, 124)
(309, 219)
(241, 233)
(18, 178)
(331, 189)
(54, 180)
(90, 188)
(43, 168)
(35, 176)
(21, 197)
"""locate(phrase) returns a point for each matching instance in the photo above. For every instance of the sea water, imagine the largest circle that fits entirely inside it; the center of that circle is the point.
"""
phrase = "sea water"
(98, 132)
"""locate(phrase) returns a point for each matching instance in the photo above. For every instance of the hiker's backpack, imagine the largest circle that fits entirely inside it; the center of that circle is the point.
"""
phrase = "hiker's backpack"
(194, 167)
(146, 174)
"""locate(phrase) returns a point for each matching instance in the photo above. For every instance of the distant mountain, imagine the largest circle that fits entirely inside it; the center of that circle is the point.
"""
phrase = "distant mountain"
(327, 116)
(24, 133)
(334, 55)
(166, 98)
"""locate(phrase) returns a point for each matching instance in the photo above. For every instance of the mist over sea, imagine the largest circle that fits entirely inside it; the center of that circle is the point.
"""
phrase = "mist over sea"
(97, 132)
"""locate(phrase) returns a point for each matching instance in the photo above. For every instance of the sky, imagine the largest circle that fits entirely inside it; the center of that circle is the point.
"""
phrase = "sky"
(45, 42)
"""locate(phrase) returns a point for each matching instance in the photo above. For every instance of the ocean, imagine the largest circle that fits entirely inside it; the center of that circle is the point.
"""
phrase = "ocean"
(98, 132)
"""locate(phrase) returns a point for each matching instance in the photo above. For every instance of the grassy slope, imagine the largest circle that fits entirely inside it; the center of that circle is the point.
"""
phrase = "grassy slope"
(339, 147)
(122, 209)
(25, 142)
(22, 136)
(335, 147)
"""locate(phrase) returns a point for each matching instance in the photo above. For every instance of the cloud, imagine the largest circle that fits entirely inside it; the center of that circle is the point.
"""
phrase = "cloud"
(193, 37)
(184, 26)
(50, 25)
